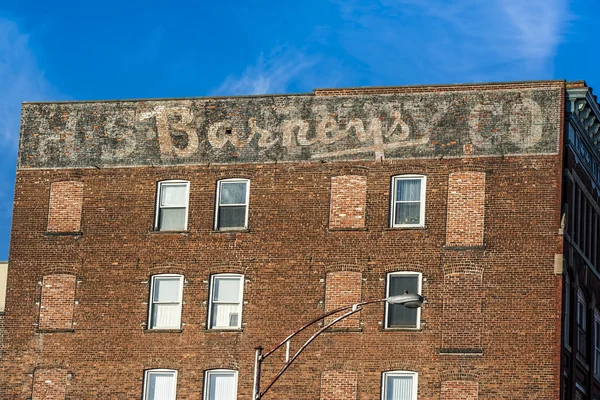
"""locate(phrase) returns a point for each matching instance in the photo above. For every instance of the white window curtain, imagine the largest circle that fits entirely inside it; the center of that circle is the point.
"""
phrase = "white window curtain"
(166, 302)
(226, 302)
(172, 206)
(160, 386)
(222, 386)
(399, 388)
(407, 201)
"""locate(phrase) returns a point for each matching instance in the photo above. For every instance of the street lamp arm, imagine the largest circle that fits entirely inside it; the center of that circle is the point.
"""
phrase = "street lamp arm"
(355, 308)
(314, 321)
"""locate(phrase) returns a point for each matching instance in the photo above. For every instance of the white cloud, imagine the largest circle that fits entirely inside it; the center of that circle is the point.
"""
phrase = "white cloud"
(271, 74)
(462, 40)
(21, 79)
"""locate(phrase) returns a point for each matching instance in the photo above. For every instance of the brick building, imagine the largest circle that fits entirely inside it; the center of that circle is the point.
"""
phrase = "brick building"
(156, 243)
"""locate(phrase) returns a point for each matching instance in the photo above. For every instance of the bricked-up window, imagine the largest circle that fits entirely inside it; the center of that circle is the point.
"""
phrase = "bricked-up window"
(338, 385)
(232, 204)
(58, 298)
(220, 384)
(399, 385)
(160, 384)
(581, 324)
(348, 202)
(567, 312)
(463, 390)
(165, 302)
(172, 206)
(225, 308)
(466, 209)
(343, 288)
(49, 384)
(66, 202)
(597, 344)
(408, 201)
(396, 315)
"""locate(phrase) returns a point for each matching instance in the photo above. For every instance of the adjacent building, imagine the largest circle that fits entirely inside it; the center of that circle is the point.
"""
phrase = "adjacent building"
(156, 243)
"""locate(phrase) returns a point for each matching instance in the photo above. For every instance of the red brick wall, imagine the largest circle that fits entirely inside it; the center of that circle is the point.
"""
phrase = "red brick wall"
(49, 384)
(285, 257)
(463, 319)
(343, 288)
(58, 296)
(348, 201)
(466, 209)
(459, 390)
(338, 385)
(66, 200)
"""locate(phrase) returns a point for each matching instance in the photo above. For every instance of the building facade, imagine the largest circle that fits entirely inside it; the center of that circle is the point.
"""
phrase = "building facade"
(156, 243)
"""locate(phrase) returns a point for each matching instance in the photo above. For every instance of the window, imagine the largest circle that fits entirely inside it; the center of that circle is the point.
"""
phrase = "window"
(408, 201)
(232, 204)
(396, 315)
(597, 344)
(172, 206)
(226, 301)
(581, 324)
(220, 384)
(165, 302)
(160, 384)
(567, 312)
(399, 385)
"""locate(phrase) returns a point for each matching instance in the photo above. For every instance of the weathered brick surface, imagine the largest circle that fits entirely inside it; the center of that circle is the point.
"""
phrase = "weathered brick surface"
(466, 209)
(49, 384)
(348, 202)
(58, 296)
(459, 390)
(66, 200)
(338, 385)
(286, 256)
(343, 288)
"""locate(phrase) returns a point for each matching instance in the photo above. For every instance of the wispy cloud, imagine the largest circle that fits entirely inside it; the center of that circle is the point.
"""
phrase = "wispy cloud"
(462, 40)
(282, 69)
(21, 79)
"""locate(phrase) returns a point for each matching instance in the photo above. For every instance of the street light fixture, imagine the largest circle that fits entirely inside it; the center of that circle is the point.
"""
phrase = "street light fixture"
(409, 300)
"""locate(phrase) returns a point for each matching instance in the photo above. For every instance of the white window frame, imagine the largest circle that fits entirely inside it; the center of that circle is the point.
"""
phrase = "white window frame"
(158, 207)
(218, 371)
(419, 276)
(151, 301)
(412, 374)
(218, 203)
(393, 193)
(149, 372)
(211, 301)
(597, 344)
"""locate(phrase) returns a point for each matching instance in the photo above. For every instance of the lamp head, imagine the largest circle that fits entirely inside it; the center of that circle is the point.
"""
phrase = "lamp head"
(408, 300)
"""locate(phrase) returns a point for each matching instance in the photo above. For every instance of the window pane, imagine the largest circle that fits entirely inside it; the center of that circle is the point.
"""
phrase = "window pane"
(398, 315)
(408, 213)
(227, 289)
(173, 195)
(233, 193)
(225, 316)
(166, 316)
(160, 386)
(232, 217)
(399, 388)
(172, 219)
(408, 190)
(167, 289)
(221, 386)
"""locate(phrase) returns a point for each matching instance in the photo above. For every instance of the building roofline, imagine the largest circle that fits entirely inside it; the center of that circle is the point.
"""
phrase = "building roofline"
(350, 88)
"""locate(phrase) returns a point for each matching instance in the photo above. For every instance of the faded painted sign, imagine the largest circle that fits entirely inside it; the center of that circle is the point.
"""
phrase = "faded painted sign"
(291, 128)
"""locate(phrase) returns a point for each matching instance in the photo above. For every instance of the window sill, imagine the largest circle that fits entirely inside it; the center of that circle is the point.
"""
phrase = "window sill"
(55, 330)
(405, 228)
(461, 352)
(224, 330)
(168, 232)
(52, 233)
(163, 330)
(401, 329)
(458, 248)
(362, 229)
(342, 330)
(232, 230)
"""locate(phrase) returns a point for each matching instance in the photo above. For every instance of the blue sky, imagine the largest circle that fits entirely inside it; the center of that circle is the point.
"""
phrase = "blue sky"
(59, 50)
